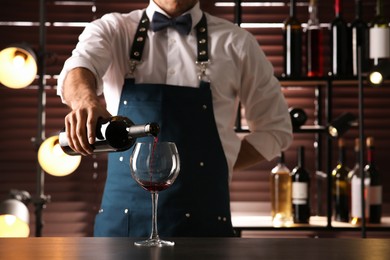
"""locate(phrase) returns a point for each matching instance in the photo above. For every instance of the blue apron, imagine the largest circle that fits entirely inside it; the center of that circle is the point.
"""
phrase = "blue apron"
(198, 203)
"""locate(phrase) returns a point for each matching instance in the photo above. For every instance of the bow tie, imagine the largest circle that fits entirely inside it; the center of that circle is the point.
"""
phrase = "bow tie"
(183, 24)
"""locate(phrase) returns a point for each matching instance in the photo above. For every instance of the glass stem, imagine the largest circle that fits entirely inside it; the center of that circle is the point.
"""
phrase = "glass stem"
(154, 234)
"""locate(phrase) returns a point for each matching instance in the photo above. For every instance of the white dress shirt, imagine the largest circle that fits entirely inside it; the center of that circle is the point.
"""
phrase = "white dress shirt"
(238, 70)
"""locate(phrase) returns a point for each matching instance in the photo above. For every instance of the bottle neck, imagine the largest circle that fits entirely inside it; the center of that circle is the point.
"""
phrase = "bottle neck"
(301, 157)
(313, 13)
(292, 8)
(281, 158)
(370, 155)
(338, 8)
(358, 9)
(379, 7)
(357, 157)
(342, 156)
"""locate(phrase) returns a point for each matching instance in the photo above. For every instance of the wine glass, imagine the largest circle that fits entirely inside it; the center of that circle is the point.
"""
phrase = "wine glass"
(155, 166)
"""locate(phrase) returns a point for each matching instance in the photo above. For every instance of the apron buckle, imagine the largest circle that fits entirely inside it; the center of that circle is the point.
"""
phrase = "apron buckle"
(202, 70)
(133, 65)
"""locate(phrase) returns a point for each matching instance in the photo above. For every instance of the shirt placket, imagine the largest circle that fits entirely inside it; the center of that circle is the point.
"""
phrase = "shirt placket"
(173, 70)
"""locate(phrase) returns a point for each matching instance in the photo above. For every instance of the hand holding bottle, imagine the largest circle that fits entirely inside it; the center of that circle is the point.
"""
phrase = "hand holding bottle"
(80, 94)
(117, 134)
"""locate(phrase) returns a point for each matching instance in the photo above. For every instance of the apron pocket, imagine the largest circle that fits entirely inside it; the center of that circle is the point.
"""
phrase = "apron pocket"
(181, 223)
(117, 222)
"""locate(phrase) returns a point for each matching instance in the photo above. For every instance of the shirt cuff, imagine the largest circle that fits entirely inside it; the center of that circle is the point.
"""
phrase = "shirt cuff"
(72, 63)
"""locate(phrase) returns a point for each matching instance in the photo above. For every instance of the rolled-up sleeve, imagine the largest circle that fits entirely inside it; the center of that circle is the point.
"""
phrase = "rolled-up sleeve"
(266, 109)
(93, 51)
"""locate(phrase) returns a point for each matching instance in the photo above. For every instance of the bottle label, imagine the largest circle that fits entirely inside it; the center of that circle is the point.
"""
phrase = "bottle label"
(300, 193)
(356, 210)
(381, 37)
(375, 195)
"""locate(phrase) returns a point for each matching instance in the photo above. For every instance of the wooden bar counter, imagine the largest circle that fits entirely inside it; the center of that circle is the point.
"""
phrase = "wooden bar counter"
(69, 248)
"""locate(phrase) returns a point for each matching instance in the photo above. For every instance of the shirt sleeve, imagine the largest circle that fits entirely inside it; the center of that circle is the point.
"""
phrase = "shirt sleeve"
(266, 109)
(93, 51)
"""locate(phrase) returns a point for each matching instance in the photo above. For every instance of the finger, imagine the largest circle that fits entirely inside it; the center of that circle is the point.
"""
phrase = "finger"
(71, 133)
(81, 134)
(91, 128)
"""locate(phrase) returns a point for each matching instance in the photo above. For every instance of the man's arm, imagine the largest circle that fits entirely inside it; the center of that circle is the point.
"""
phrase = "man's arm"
(247, 156)
(79, 92)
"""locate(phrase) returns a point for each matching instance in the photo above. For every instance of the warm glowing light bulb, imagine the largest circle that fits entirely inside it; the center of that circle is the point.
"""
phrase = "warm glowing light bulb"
(11, 226)
(376, 78)
(9, 220)
(18, 61)
(18, 66)
(54, 160)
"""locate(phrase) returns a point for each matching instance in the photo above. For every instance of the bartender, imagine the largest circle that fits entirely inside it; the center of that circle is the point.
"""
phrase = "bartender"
(176, 65)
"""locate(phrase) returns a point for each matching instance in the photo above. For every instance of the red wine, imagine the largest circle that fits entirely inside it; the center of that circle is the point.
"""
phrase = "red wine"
(341, 63)
(152, 154)
(154, 186)
(375, 193)
(315, 67)
(292, 39)
(300, 190)
(314, 48)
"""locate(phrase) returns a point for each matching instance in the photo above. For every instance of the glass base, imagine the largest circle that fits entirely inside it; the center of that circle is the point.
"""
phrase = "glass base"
(154, 242)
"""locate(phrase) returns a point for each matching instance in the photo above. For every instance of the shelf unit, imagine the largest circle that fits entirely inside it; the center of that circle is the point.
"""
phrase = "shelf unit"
(323, 94)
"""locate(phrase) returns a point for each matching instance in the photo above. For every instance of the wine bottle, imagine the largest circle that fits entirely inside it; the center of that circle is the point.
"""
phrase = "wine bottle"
(356, 189)
(341, 185)
(118, 134)
(375, 193)
(300, 190)
(360, 39)
(298, 117)
(281, 194)
(379, 35)
(314, 48)
(292, 39)
(339, 37)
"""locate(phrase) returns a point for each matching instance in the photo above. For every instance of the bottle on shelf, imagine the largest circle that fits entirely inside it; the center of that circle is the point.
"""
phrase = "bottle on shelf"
(379, 35)
(292, 44)
(356, 189)
(280, 181)
(298, 117)
(340, 43)
(341, 185)
(118, 134)
(375, 193)
(300, 197)
(360, 39)
(314, 47)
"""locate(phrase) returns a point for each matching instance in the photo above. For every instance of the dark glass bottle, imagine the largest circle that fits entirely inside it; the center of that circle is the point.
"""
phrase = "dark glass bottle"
(118, 134)
(341, 186)
(292, 39)
(340, 43)
(375, 191)
(379, 35)
(360, 38)
(314, 47)
(300, 179)
(281, 194)
(356, 189)
(298, 117)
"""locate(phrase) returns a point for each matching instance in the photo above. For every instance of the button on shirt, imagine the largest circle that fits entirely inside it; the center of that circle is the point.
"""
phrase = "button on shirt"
(238, 70)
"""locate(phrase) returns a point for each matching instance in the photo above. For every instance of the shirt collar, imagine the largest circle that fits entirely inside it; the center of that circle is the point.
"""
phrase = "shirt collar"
(196, 13)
